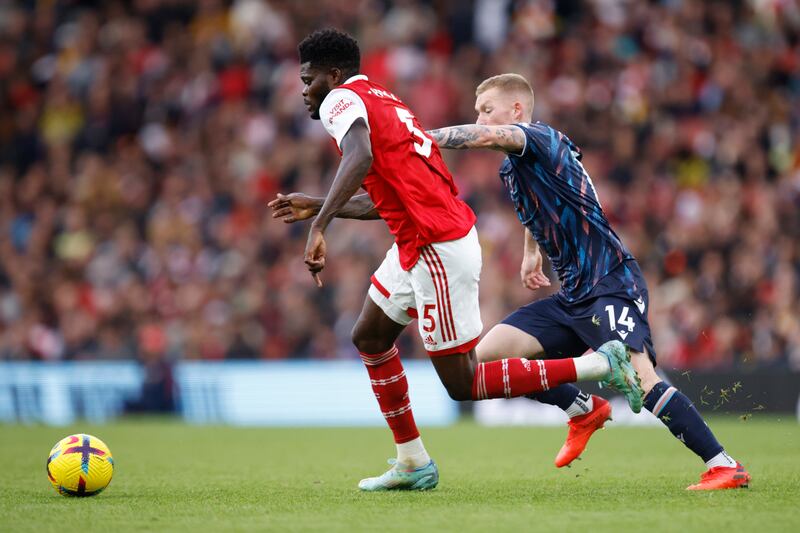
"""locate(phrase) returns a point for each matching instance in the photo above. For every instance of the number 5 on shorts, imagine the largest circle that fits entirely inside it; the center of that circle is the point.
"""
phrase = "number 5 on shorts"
(426, 315)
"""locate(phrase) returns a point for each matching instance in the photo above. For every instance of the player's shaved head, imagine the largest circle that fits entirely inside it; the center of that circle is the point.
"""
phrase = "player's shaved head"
(508, 90)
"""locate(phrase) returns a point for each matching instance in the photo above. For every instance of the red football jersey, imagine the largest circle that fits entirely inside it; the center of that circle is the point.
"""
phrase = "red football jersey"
(410, 185)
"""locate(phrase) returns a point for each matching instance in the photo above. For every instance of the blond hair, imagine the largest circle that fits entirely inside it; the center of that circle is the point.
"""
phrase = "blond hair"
(505, 82)
(509, 83)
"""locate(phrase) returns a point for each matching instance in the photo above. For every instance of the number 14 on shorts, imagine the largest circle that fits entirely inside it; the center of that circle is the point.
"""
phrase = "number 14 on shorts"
(622, 319)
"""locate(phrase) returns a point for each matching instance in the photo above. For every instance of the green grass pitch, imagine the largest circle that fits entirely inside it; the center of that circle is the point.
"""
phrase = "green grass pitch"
(174, 477)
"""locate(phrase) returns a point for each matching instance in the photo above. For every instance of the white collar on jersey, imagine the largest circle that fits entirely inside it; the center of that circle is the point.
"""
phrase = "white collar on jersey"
(357, 77)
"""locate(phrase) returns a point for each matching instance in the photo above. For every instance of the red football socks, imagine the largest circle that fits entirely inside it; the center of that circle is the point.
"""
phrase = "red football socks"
(390, 386)
(509, 378)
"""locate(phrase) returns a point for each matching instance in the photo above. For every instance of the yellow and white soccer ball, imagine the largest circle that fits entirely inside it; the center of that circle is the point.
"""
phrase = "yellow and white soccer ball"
(80, 465)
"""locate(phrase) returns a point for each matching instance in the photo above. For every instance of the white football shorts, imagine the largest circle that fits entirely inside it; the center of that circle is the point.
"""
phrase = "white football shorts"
(440, 291)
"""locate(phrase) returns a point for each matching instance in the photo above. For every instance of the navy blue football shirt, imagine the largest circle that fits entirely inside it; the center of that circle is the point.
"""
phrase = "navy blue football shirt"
(556, 200)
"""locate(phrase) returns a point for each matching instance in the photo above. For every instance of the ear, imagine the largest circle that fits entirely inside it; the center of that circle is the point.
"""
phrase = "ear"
(518, 112)
(335, 77)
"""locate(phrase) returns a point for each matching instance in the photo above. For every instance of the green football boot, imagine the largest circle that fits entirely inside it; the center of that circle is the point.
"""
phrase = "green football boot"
(402, 477)
(622, 377)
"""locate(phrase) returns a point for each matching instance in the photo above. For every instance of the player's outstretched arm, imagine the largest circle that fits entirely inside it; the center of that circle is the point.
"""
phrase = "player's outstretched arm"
(298, 206)
(509, 139)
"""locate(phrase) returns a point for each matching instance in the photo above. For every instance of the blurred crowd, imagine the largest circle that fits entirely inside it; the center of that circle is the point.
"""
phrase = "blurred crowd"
(140, 142)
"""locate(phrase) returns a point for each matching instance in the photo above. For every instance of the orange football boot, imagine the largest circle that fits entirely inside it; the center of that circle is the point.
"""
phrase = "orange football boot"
(723, 477)
(581, 429)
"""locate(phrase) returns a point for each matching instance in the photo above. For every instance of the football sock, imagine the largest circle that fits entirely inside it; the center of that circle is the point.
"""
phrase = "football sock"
(592, 366)
(508, 378)
(582, 405)
(721, 459)
(413, 453)
(390, 386)
(678, 413)
(568, 397)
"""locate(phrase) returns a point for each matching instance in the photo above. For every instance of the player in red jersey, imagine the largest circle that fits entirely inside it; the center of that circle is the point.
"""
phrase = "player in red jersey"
(432, 270)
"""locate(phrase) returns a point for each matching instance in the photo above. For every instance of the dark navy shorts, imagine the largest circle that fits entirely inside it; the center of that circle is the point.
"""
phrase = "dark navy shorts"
(615, 310)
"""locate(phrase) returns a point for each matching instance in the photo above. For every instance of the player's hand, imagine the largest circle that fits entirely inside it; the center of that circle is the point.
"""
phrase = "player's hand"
(531, 271)
(293, 207)
(315, 254)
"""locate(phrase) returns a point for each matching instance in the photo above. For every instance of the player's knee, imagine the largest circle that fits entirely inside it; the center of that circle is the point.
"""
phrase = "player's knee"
(369, 346)
(459, 385)
(356, 336)
(460, 392)
(365, 342)
(456, 372)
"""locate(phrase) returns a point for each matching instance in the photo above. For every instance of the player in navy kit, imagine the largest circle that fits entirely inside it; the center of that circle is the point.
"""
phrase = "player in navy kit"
(603, 294)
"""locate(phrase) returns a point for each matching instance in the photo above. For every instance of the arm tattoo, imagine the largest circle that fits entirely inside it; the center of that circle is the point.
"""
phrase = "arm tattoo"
(505, 138)
(458, 137)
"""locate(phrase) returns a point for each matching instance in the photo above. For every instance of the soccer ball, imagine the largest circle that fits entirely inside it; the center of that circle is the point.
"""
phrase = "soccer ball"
(80, 465)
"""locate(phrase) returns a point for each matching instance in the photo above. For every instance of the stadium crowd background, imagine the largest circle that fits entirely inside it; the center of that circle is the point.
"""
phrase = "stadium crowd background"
(140, 142)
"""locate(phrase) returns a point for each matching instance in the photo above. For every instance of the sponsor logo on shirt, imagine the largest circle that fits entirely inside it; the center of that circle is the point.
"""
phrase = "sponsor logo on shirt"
(338, 108)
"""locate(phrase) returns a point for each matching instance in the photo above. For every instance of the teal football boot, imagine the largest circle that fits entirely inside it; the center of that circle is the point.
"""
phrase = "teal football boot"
(622, 378)
(402, 477)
